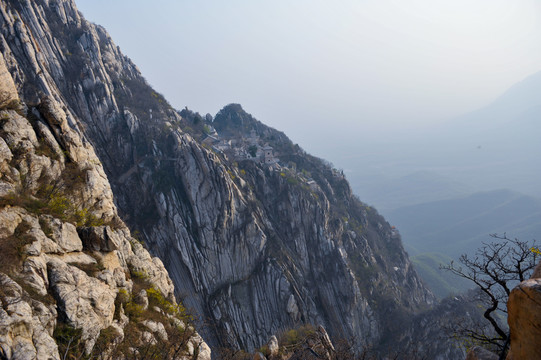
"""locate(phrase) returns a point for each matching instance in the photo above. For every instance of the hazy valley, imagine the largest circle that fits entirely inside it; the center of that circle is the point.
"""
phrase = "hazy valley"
(448, 187)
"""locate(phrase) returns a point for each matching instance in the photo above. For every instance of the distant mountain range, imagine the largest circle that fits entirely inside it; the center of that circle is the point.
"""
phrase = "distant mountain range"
(439, 231)
(418, 187)
(493, 148)
(442, 186)
(521, 99)
(497, 146)
(460, 225)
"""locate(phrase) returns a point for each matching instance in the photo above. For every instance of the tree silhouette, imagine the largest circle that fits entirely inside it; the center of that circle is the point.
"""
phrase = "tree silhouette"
(496, 268)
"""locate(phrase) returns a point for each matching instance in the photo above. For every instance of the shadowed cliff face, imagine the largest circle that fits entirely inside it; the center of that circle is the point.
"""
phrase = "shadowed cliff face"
(253, 249)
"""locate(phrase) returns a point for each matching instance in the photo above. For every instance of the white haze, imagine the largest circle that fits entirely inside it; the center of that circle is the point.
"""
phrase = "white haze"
(350, 81)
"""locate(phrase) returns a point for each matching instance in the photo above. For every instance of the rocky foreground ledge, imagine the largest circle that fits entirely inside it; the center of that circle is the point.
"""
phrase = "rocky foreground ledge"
(73, 280)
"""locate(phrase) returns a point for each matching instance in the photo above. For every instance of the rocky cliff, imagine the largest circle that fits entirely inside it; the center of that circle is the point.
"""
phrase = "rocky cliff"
(254, 248)
(73, 280)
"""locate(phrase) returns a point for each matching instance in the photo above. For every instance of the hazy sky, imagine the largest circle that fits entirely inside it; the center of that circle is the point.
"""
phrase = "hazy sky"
(307, 66)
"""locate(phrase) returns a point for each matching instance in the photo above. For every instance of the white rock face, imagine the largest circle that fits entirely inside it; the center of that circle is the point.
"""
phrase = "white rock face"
(9, 220)
(64, 234)
(25, 327)
(204, 349)
(35, 274)
(87, 303)
(156, 328)
(8, 91)
(292, 308)
(153, 268)
(49, 265)
(273, 346)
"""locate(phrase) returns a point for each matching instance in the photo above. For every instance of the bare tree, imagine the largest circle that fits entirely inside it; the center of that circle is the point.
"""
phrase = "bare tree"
(495, 269)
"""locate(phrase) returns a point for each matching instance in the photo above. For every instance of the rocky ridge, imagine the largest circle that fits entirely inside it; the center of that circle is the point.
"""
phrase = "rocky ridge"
(252, 249)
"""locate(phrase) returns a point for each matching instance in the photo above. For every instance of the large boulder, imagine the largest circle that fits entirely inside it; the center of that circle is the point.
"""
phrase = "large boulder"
(64, 234)
(524, 319)
(85, 302)
(273, 346)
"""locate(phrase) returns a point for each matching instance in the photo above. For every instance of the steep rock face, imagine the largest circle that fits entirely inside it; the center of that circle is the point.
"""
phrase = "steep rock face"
(69, 264)
(427, 335)
(252, 248)
(264, 252)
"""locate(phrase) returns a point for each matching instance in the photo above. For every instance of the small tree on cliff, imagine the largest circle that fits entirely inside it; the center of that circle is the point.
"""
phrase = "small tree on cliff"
(496, 268)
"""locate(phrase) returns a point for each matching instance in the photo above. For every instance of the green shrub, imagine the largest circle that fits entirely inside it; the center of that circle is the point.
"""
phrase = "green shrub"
(134, 311)
(265, 350)
(122, 298)
(156, 298)
(292, 181)
(291, 337)
(58, 205)
(137, 275)
(294, 337)
(83, 217)
(106, 338)
(50, 200)
(69, 341)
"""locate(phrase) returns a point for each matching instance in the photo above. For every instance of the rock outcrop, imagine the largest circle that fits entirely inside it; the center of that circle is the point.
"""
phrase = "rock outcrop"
(253, 249)
(524, 319)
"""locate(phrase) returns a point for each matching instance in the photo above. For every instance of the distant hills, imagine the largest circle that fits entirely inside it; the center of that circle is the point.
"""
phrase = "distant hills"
(496, 147)
(439, 231)
(441, 282)
(442, 187)
(418, 187)
(510, 108)
(460, 225)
